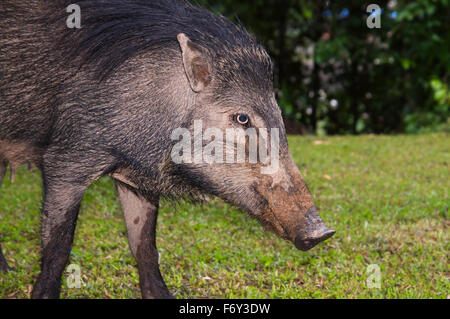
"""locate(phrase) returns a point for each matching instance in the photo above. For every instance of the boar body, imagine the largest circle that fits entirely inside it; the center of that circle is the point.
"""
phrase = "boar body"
(104, 100)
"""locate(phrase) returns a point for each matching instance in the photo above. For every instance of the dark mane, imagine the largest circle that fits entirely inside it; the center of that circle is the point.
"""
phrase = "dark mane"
(115, 30)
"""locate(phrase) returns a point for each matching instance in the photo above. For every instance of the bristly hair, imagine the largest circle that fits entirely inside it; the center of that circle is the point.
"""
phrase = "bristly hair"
(114, 31)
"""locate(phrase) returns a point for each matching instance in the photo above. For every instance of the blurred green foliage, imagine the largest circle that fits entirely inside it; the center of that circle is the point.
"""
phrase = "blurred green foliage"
(335, 75)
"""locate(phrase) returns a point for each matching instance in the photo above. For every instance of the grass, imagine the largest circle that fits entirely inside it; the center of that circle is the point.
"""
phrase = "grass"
(387, 197)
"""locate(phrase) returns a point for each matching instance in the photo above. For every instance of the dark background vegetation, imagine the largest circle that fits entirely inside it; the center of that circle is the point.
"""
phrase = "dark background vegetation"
(334, 75)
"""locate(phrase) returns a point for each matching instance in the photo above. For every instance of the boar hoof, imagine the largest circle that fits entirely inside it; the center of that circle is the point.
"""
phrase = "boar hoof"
(5, 268)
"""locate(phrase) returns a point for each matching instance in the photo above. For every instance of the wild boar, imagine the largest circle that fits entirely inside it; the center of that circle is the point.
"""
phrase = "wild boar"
(106, 98)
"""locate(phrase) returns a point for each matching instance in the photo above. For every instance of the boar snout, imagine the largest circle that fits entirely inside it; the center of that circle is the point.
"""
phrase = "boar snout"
(289, 209)
(313, 231)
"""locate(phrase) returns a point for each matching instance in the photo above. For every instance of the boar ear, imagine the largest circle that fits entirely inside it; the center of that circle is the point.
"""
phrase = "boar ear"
(196, 63)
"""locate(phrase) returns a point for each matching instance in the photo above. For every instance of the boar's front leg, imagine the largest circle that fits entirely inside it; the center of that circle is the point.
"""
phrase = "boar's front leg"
(60, 211)
(65, 179)
(140, 217)
(3, 264)
(3, 167)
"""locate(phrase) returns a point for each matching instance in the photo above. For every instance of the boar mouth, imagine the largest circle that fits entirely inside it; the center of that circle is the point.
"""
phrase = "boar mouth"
(305, 244)
(313, 232)
(286, 217)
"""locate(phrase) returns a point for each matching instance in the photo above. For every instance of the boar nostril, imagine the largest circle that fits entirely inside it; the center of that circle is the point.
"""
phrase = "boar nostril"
(307, 243)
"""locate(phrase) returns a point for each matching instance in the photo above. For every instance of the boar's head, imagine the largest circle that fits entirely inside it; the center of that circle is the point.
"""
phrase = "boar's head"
(232, 88)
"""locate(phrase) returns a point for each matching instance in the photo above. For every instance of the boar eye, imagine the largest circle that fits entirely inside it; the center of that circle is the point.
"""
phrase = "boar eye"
(242, 119)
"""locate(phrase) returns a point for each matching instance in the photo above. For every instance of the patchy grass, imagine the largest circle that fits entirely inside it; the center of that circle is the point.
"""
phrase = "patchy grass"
(386, 196)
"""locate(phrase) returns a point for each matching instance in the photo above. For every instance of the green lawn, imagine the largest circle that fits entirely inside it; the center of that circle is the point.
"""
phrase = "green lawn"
(386, 196)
